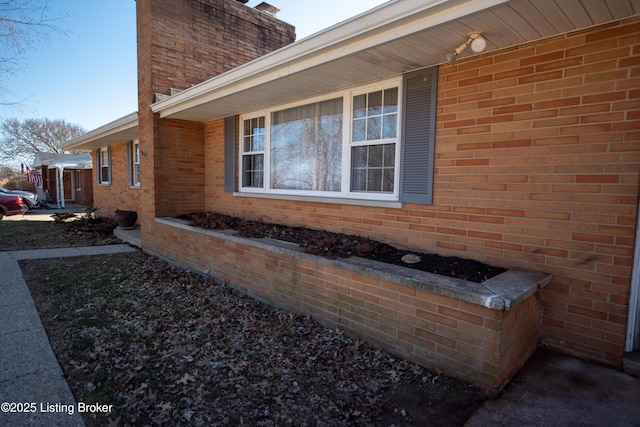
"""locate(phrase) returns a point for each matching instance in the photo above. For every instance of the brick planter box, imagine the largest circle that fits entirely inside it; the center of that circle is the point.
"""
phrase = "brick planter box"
(479, 332)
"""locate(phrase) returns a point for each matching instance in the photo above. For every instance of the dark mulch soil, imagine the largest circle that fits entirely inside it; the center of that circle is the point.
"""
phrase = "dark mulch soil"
(337, 245)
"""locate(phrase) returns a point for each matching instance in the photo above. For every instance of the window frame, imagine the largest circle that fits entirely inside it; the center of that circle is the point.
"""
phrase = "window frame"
(102, 166)
(345, 192)
(133, 148)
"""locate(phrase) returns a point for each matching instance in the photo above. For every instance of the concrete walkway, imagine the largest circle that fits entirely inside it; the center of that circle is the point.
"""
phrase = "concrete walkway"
(31, 380)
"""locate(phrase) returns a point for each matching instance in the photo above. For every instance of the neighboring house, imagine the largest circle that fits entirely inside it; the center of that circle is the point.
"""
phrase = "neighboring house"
(66, 178)
(526, 155)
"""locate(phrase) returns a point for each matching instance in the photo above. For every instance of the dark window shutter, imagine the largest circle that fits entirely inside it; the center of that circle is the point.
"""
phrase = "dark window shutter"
(97, 163)
(418, 136)
(110, 168)
(230, 154)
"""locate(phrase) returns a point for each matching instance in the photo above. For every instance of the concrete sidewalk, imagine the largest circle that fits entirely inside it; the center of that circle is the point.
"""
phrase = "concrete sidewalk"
(554, 390)
(29, 371)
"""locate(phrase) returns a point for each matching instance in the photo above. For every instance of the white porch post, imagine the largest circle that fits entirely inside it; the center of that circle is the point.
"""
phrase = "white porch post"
(60, 192)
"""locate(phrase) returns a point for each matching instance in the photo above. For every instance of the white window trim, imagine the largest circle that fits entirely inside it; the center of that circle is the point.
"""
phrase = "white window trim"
(134, 183)
(101, 166)
(345, 193)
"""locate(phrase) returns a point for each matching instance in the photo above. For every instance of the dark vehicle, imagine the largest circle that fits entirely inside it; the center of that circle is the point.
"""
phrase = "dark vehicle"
(30, 199)
(11, 204)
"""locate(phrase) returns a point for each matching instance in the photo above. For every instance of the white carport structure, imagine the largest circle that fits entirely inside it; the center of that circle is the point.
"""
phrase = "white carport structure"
(60, 162)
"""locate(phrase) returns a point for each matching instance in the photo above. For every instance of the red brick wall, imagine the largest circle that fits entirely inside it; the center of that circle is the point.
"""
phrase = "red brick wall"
(482, 345)
(118, 194)
(84, 194)
(182, 43)
(537, 166)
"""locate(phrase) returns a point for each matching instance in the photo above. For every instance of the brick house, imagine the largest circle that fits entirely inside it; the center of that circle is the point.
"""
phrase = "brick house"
(66, 178)
(524, 155)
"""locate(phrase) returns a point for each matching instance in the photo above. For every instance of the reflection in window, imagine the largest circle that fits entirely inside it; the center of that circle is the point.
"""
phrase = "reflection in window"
(375, 118)
(373, 168)
(306, 147)
(253, 153)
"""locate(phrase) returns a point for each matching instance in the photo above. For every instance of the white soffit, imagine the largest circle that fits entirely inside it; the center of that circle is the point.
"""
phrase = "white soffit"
(394, 38)
(120, 130)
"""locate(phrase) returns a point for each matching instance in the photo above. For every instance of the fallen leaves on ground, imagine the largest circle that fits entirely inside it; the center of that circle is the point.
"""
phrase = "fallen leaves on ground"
(170, 347)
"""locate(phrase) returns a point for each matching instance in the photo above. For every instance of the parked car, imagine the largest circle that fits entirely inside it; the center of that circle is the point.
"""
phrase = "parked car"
(11, 204)
(30, 199)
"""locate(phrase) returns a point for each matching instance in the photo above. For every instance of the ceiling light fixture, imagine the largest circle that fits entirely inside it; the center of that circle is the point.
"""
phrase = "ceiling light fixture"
(477, 42)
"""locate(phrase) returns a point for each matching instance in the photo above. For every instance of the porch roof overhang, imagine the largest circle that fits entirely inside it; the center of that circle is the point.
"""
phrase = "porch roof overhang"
(394, 38)
(122, 129)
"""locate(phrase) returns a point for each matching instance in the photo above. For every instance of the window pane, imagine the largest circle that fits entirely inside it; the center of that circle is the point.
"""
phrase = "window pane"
(359, 106)
(253, 139)
(373, 128)
(375, 103)
(391, 101)
(359, 157)
(258, 143)
(389, 155)
(359, 130)
(381, 115)
(388, 180)
(253, 170)
(389, 125)
(373, 168)
(306, 147)
(374, 180)
(359, 180)
(375, 156)
(136, 174)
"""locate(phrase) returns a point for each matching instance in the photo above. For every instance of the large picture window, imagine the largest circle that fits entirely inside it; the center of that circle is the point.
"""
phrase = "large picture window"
(341, 146)
(306, 147)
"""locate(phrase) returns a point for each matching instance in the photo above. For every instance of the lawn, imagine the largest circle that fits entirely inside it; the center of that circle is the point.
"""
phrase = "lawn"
(166, 346)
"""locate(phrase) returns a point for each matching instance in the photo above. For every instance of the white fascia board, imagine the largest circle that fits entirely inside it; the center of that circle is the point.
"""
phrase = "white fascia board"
(125, 123)
(385, 23)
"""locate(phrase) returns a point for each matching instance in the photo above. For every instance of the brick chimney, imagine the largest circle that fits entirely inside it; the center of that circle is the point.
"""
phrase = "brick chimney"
(185, 42)
(182, 43)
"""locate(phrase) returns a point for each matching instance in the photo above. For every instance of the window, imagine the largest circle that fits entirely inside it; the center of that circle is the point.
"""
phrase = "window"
(133, 162)
(306, 147)
(374, 140)
(345, 145)
(78, 181)
(104, 165)
(253, 153)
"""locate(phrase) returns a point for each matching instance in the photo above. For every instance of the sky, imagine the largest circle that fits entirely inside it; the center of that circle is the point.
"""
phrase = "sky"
(87, 76)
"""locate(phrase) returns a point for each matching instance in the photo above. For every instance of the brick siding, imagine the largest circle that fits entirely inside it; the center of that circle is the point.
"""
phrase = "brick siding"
(482, 345)
(182, 43)
(118, 194)
(537, 166)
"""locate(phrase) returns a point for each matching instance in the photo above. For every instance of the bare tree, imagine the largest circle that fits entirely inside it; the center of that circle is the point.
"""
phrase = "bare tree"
(24, 24)
(21, 140)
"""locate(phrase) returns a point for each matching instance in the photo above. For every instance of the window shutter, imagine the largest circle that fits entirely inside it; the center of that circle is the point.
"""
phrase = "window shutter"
(97, 163)
(418, 136)
(230, 154)
(110, 168)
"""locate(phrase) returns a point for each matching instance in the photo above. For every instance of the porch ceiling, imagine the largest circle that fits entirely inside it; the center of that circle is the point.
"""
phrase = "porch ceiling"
(394, 38)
